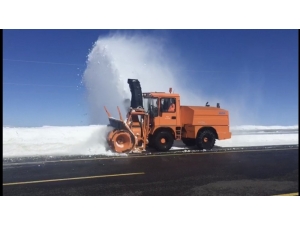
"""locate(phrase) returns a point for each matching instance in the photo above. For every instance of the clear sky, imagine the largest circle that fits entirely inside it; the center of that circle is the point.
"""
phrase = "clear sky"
(42, 72)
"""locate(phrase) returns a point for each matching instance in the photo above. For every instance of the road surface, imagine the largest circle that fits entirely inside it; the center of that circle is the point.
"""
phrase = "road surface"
(241, 172)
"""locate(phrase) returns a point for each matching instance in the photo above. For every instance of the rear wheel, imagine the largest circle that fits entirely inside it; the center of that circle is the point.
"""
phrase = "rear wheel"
(189, 141)
(163, 141)
(206, 140)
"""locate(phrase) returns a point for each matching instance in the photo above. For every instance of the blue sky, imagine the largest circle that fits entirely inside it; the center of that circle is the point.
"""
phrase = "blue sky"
(42, 71)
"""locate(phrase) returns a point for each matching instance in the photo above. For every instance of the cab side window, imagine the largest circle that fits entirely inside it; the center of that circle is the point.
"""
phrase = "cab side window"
(168, 104)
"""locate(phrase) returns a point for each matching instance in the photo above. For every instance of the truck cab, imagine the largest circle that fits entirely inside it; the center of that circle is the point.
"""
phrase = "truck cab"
(163, 108)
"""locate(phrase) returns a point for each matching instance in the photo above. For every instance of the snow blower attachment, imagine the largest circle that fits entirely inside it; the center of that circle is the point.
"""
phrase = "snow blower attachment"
(130, 135)
(156, 119)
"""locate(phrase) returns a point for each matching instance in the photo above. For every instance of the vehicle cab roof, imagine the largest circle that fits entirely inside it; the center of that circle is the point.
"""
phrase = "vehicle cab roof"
(160, 95)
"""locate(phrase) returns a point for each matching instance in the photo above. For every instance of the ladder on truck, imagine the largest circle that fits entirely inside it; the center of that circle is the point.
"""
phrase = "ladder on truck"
(178, 133)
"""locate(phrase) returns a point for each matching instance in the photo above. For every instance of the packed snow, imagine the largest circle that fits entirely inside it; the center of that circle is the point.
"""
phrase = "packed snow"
(90, 140)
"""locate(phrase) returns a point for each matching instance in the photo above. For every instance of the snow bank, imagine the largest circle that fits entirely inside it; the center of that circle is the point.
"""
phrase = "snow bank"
(254, 127)
(47, 140)
(90, 140)
(257, 140)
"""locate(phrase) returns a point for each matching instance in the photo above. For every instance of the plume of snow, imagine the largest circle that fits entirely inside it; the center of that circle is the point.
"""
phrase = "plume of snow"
(118, 57)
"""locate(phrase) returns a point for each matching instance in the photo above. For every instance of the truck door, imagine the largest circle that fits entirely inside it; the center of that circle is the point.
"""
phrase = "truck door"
(168, 112)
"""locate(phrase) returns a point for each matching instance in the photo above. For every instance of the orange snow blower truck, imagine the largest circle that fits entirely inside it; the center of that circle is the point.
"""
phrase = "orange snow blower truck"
(156, 119)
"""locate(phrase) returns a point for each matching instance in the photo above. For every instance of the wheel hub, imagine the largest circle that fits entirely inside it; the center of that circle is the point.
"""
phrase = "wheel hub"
(163, 140)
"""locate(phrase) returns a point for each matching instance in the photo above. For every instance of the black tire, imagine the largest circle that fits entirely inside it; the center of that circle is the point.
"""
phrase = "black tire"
(169, 140)
(189, 141)
(206, 140)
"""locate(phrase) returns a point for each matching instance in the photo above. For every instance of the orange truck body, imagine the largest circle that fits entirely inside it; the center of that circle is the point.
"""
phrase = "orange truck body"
(192, 118)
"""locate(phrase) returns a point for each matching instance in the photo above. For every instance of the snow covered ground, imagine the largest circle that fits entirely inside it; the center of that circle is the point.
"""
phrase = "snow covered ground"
(89, 140)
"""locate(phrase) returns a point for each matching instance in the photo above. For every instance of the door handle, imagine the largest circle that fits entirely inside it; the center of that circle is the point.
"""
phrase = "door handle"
(173, 117)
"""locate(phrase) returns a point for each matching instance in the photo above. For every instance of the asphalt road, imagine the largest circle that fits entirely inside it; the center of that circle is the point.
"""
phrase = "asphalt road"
(254, 172)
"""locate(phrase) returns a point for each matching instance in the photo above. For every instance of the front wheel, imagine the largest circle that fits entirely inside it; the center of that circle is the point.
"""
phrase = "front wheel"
(163, 141)
(206, 140)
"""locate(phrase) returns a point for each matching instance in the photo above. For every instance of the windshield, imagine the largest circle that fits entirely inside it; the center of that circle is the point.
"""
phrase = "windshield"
(150, 106)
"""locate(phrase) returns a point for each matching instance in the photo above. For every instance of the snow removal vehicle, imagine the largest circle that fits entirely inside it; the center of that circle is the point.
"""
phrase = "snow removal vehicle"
(156, 119)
